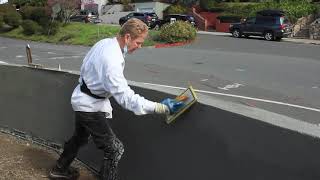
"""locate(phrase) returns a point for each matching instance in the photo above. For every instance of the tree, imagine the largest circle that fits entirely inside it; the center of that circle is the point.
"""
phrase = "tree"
(65, 8)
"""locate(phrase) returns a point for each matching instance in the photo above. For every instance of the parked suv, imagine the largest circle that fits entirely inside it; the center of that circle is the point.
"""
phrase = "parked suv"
(149, 18)
(270, 24)
(177, 17)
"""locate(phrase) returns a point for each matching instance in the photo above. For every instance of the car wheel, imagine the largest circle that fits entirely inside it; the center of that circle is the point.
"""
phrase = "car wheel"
(236, 33)
(268, 36)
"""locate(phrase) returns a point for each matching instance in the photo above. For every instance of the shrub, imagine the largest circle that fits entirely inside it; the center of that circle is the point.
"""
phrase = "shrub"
(293, 9)
(211, 5)
(13, 19)
(33, 13)
(179, 31)
(6, 8)
(1, 21)
(29, 2)
(176, 9)
(38, 13)
(30, 27)
(52, 28)
(239, 9)
(44, 21)
(26, 11)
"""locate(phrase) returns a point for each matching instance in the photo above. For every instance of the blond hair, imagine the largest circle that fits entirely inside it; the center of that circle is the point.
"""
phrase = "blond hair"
(135, 27)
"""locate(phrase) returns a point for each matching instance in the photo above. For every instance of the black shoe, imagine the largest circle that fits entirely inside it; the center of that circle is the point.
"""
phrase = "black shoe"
(70, 173)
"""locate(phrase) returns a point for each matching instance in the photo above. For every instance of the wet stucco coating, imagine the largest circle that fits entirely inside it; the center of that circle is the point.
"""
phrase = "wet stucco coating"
(206, 143)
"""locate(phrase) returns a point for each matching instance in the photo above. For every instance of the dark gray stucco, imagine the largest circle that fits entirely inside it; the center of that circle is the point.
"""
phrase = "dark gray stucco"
(206, 143)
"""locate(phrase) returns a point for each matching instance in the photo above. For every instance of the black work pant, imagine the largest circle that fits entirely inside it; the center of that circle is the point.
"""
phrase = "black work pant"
(96, 125)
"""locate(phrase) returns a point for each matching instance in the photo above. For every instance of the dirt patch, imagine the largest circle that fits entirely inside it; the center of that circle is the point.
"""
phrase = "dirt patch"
(21, 160)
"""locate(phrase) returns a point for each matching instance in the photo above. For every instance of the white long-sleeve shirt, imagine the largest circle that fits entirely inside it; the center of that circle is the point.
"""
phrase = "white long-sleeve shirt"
(102, 71)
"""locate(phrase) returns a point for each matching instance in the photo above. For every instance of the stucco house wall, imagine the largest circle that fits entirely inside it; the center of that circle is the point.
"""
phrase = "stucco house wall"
(100, 4)
(156, 7)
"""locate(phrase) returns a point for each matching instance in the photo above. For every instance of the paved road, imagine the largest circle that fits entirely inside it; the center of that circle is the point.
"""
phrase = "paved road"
(276, 71)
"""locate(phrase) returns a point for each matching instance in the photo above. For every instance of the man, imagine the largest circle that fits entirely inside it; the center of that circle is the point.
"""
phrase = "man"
(102, 77)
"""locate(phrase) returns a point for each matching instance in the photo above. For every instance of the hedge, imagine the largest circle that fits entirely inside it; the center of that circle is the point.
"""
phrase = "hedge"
(179, 31)
(13, 19)
(30, 27)
(293, 9)
(176, 9)
(1, 21)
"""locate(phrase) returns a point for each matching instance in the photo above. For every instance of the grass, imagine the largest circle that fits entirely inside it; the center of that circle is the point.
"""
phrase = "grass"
(78, 34)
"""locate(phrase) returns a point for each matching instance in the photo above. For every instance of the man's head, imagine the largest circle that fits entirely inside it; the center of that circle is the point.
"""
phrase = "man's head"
(132, 34)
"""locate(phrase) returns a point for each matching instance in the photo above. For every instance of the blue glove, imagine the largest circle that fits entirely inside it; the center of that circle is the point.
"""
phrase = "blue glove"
(172, 104)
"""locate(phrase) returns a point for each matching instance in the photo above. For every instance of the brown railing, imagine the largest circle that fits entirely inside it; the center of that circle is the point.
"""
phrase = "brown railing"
(201, 22)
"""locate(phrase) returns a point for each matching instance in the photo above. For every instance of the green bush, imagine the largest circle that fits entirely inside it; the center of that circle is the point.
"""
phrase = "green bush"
(211, 5)
(294, 9)
(179, 31)
(1, 21)
(13, 19)
(26, 11)
(239, 9)
(38, 13)
(52, 28)
(30, 27)
(6, 8)
(44, 21)
(176, 9)
(33, 13)
(29, 2)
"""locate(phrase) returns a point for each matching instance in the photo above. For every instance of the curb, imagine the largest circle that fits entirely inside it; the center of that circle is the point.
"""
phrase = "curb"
(292, 40)
(171, 44)
(301, 41)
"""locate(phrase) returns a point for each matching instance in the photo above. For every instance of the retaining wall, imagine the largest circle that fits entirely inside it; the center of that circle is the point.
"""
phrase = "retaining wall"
(206, 143)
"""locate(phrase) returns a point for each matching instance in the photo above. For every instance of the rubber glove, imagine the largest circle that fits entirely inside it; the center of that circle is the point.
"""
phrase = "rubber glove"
(171, 106)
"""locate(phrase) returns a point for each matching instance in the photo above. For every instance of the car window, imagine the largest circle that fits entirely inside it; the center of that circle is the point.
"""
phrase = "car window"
(191, 18)
(154, 15)
(130, 15)
(284, 20)
(167, 18)
(138, 14)
(251, 20)
(184, 18)
(265, 20)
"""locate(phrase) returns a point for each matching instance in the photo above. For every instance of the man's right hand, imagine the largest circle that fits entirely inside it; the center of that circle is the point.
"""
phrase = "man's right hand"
(168, 106)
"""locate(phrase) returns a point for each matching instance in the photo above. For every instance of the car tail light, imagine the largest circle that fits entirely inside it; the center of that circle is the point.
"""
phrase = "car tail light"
(149, 18)
(282, 27)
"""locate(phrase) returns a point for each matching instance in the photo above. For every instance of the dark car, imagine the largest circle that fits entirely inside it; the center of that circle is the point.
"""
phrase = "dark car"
(177, 17)
(86, 16)
(147, 17)
(272, 25)
(78, 18)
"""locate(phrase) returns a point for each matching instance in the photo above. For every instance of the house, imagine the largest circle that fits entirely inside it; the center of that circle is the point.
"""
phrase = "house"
(155, 6)
(99, 6)
(93, 5)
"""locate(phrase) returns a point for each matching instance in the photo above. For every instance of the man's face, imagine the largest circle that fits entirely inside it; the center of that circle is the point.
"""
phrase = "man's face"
(134, 44)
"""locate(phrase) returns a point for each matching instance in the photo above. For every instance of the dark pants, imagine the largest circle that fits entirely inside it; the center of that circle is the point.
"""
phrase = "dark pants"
(96, 125)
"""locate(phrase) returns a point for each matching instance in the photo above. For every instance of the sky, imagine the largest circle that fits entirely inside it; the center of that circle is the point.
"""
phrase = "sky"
(3, 1)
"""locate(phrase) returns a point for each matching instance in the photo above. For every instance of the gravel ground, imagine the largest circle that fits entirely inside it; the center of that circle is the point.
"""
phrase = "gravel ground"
(20, 160)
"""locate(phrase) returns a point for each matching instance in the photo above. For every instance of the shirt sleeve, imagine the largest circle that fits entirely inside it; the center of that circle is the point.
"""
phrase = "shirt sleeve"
(115, 83)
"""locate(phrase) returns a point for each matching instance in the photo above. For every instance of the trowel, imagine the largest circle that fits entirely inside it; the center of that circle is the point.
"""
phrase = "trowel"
(189, 98)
